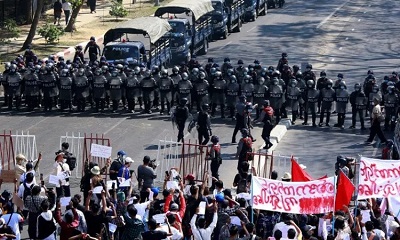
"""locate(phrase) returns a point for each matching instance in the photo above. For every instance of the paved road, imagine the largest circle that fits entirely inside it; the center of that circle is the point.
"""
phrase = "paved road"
(345, 36)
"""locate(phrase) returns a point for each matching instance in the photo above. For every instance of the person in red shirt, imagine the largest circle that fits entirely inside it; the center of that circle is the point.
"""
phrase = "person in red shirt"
(68, 227)
(266, 116)
(174, 208)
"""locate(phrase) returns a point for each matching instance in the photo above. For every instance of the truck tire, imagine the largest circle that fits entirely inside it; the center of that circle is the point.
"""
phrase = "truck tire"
(238, 26)
(225, 33)
(204, 50)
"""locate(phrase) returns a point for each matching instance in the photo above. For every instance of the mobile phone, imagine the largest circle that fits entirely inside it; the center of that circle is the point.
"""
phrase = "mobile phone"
(113, 185)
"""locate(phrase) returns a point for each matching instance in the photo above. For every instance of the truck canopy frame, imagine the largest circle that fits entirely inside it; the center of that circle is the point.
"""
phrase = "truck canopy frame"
(198, 7)
(153, 27)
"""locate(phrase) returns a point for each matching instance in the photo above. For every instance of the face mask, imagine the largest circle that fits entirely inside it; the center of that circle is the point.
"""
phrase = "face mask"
(357, 89)
(293, 85)
(246, 81)
(394, 76)
(240, 65)
(342, 87)
(390, 91)
(229, 74)
(275, 83)
(310, 86)
(257, 64)
(329, 86)
(375, 90)
(233, 81)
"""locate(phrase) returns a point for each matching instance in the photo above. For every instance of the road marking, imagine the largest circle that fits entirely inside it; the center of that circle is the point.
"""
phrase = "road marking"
(114, 126)
(330, 15)
(352, 29)
(347, 38)
(359, 20)
(340, 48)
(332, 59)
(251, 29)
(34, 125)
(225, 45)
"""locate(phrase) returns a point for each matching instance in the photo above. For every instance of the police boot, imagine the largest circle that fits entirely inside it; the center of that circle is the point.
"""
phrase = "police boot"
(222, 111)
(140, 99)
(168, 108)
(162, 108)
(231, 112)
(10, 103)
(258, 113)
(301, 112)
(314, 118)
(294, 117)
(305, 118)
(328, 117)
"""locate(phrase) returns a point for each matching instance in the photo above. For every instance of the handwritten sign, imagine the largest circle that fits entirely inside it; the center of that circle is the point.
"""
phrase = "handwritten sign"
(53, 179)
(294, 197)
(18, 201)
(64, 201)
(97, 150)
(378, 178)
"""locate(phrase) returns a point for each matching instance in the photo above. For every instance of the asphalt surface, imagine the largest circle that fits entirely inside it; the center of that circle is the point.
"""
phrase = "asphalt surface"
(337, 36)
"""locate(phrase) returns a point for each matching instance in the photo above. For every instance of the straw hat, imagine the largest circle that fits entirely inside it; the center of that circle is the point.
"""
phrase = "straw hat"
(287, 176)
(95, 170)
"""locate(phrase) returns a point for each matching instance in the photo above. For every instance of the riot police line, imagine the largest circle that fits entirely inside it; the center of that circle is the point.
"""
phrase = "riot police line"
(72, 85)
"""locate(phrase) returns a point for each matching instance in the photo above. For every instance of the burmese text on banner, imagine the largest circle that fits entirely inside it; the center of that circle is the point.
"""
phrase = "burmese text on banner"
(378, 178)
(294, 197)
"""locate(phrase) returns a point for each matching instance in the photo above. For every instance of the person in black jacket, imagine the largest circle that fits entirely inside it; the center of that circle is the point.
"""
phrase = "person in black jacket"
(94, 49)
(46, 225)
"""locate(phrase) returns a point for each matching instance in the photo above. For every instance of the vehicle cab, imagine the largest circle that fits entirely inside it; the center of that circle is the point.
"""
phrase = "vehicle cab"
(120, 51)
(180, 37)
(219, 17)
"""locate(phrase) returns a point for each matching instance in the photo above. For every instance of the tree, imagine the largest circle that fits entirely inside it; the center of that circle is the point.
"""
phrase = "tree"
(76, 7)
(29, 11)
(32, 31)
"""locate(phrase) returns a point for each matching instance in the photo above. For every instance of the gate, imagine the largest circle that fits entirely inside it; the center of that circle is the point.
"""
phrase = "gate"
(75, 141)
(26, 144)
(262, 163)
(7, 153)
(189, 158)
(87, 143)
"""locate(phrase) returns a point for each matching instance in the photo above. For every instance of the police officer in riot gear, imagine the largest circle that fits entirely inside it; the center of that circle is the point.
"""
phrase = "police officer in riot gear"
(166, 86)
(81, 89)
(115, 83)
(176, 77)
(260, 95)
(49, 87)
(232, 93)
(180, 116)
(391, 103)
(4, 82)
(240, 117)
(203, 125)
(99, 90)
(184, 88)
(240, 71)
(148, 85)
(301, 84)
(32, 88)
(276, 98)
(341, 98)
(321, 84)
(247, 88)
(13, 80)
(358, 102)
(257, 67)
(294, 96)
(156, 73)
(374, 93)
(282, 61)
(132, 89)
(225, 66)
(328, 97)
(139, 76)
(218, 97)
(311, 99)
(65, 92)
(201, 90)
(308, 73)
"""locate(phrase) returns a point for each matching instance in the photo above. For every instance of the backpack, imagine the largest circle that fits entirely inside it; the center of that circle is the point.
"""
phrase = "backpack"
(242, 184)
(217, 154)
(71, 161)
(27, 191)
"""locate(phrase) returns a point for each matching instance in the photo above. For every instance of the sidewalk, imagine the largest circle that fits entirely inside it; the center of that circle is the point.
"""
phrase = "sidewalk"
(87, 25)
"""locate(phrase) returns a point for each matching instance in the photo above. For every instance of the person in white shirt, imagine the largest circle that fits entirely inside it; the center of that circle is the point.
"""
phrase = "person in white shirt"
(62, 171)
(200, 232)
(66, 6)
(29, 169)
(284, 226)
(177, 234)
(12, 219)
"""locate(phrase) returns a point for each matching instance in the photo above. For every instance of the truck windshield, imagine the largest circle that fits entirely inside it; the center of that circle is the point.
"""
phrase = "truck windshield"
(121, 52)
(217, 6)
(177, 27)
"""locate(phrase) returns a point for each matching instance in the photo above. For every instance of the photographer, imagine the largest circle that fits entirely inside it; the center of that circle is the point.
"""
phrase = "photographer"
(146, 176)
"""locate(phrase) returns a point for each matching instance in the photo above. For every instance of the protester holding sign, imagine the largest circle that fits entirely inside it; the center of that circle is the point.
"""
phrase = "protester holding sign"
(63, 173)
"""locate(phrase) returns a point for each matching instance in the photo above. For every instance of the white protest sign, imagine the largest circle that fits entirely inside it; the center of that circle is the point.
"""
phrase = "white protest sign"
(172, 185)
(378, 178)
(110, 183)
(112, 227)
(202, 208)
(97, 190)
(126, 183)
(294, 197)
(53, 179)
(366, 216)
(160, 218)
(64, 201)
(97, 150)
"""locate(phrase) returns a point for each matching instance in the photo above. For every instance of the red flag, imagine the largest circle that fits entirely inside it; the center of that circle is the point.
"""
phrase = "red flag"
(344, 191)
(298, 174)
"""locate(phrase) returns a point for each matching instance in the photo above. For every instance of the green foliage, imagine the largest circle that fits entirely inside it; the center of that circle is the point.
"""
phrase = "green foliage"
(75, 3)
(117, 10)
(51, 33)
(9, 31)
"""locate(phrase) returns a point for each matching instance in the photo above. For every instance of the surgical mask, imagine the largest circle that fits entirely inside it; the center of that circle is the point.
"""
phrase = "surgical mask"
(357, 89)
(293, 84)
(310, 86)
(375, 90)
(275, 83)
(246, 81)
(342, 87)
(390, 90)
(257, 64)
(394, 75)
(240, 65)
(329, 86)
(233, 81)
(229, 74)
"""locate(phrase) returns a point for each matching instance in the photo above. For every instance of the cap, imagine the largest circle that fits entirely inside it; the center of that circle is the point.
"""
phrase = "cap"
(155, 190)
(128, 160)
(189, 177)
(308, 228)
(287, 176)
(95, 170)
(174, 207)
(29, 165)
(219, 197)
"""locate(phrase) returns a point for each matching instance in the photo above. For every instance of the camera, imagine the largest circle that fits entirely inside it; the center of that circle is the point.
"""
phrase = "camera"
(153, 164)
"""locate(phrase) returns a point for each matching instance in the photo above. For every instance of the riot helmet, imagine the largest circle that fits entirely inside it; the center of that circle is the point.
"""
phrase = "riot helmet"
(310, 83)
(202, 75)
(185, 76)
(164, 73)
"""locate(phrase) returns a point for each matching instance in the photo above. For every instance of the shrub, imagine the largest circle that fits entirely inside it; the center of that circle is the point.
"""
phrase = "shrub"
(51, 33)
(117, 10)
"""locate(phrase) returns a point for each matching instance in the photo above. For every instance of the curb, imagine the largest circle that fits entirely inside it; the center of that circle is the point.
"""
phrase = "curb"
(71, 50)
(277, 133)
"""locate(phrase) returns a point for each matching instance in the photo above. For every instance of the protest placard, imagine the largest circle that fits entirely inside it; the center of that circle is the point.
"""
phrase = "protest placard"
(378, 178)
(64, 201)
(97, 150)
(294, 197)
(53, 179)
